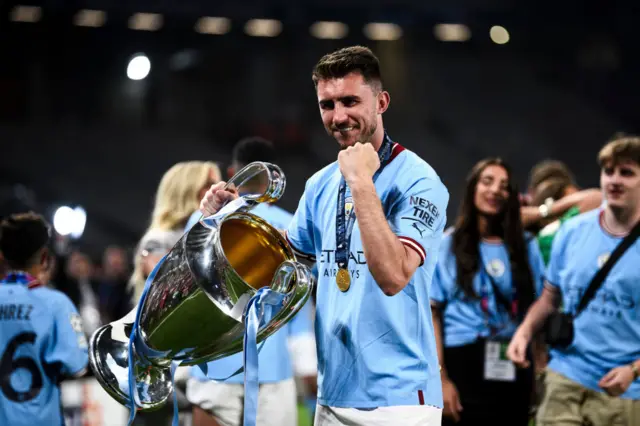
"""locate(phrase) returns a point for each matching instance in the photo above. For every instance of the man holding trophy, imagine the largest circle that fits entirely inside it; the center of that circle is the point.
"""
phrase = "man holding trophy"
(372, 221)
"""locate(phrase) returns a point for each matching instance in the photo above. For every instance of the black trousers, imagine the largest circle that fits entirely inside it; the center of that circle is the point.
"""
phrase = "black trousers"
(483, 401)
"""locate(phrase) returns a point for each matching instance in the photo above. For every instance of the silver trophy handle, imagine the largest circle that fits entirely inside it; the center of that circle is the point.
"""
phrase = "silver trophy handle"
(108, 359)
(275, 185)
(296, 281)
(274, 189)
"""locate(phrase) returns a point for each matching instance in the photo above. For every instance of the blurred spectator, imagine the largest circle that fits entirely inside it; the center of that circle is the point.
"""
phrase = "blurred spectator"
(81, 287)
(546, 170)
(594, 379)
(486, 277)
(112, 287)
(554, 197)
(178, 196)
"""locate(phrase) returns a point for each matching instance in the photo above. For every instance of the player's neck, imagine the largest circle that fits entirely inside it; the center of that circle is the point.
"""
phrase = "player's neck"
(620, 221)
(377, 138)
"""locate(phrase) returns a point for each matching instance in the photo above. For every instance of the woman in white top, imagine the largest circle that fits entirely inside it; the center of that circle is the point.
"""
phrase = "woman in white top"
(178, 196)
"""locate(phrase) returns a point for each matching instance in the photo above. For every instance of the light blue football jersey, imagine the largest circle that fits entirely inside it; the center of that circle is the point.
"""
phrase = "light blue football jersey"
(274, 360)
(607, 331)
(375, 350)
(41, 340)
(464, 320)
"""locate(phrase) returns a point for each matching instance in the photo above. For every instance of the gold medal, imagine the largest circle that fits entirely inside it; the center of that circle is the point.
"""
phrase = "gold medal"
(343, 279)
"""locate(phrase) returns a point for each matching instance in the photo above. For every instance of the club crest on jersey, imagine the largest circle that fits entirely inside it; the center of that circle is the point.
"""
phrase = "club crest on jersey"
(76, 325)
(495, 268)
(348, 207)
(602, 259)
(76, 322)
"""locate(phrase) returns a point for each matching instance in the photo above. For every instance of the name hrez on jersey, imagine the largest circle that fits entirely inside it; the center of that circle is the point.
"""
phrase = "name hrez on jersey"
(18, 312)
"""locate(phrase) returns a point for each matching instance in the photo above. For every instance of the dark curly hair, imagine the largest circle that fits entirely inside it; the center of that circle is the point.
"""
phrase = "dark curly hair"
(22, 236)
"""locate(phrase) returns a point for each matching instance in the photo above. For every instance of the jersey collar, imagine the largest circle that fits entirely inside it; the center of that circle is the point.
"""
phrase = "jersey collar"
(21, 277)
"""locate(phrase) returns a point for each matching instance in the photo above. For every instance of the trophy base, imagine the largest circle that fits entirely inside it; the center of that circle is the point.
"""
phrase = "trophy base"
(109, 361)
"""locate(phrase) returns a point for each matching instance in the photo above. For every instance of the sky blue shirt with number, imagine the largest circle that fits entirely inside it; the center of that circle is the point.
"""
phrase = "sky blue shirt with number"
(373, 349)
(607, 332)
(274, 361)
(41, 338)
(464, 320)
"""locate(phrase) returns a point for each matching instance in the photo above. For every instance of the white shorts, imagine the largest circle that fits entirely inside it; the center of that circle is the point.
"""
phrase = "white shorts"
(225, 401)
(399, 415)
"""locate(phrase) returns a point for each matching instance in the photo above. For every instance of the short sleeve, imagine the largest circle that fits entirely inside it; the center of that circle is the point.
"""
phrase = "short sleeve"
(300, 230)
(69, 347)
(557, 258)
(537, 266)
(438, 293)
(419, 217)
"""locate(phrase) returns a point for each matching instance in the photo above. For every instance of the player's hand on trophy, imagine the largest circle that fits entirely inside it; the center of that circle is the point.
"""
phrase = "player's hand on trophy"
(358, 162)
(216, 197)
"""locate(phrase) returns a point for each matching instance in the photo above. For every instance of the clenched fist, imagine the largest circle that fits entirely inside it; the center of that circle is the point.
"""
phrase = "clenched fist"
(216, 197)
(358, 162)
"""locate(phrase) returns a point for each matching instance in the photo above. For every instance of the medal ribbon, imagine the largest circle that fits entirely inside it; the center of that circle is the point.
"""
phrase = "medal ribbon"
(344, 225)
(500, 299)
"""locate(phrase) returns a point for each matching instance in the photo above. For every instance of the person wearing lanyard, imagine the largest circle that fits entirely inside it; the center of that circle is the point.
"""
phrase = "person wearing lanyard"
(372, 221)
(487, 275)
(41, 336)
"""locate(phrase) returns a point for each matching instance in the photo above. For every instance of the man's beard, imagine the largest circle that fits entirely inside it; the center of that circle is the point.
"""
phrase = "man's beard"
(365, 137)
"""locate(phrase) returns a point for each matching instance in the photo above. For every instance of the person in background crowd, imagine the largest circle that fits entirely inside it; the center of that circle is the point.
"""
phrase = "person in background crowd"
(41, 336)
(554, 197)
(487, 276)
(288, 352)
(113, 300)
(81, 286)
(594, 380)
(177, 197)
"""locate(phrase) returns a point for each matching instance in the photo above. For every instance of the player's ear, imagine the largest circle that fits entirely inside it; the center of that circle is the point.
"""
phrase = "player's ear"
(44, 258)
(383, 99)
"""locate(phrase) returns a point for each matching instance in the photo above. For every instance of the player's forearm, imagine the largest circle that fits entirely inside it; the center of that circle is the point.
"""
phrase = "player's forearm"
(585, 200)
(386, 256)
(591, 199)
(539, 312)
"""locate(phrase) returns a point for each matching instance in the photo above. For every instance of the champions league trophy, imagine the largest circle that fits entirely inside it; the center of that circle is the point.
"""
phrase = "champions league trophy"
(198, 299)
